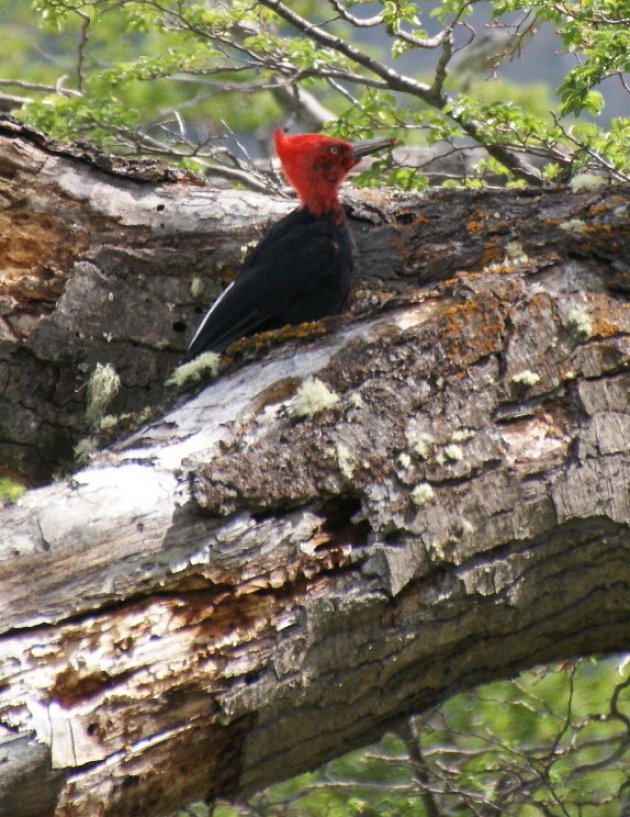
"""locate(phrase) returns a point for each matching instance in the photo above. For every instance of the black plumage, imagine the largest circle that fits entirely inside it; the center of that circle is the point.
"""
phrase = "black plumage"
(300, 271)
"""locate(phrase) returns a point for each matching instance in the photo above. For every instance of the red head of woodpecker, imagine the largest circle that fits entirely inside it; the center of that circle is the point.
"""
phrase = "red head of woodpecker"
(316, 165)
(301, 269)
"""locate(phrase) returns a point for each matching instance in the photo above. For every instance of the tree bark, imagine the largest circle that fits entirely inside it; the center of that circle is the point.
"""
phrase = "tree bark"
(251, 583)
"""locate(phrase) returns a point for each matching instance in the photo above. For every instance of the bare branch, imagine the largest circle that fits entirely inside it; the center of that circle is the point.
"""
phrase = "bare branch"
(358, 22)
(411, 738)
(396, 81)
(303, 105)
(85, 29)
(440, 68)
(38, 86)
(403, 83)
(599, 160)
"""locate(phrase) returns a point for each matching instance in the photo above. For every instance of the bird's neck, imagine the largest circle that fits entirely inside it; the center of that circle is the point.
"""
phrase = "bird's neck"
(319, 200)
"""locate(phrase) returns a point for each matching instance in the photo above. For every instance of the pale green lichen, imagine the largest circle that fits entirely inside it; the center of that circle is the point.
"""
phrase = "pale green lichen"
(111, 420)
(108, 421)
(245, 248)
(312, 397)
(526, 378)
(207, 363)
(102, 387)
(466, 528)
(453, 452)
(422, 494)
(586, 181)
(460, 435)
(356, 401)
(421, 444)
(404, 459)
(196, 287)
(345, 460)
(573, 225)
(83, 449)
(515, 253)
(580, 321)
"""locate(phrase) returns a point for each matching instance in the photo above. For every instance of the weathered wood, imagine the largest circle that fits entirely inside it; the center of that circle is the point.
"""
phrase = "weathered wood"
(262, 592)
(240, 590)
(105, 260)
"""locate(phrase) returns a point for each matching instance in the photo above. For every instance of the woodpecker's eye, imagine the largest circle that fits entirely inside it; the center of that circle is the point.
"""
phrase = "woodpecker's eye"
(334, 149)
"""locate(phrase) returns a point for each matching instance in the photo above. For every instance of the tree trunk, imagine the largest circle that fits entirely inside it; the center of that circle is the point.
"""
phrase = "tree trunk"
(344, 527)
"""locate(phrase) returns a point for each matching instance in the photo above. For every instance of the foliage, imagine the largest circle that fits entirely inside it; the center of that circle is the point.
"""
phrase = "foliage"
(550, 743)
(179, 78)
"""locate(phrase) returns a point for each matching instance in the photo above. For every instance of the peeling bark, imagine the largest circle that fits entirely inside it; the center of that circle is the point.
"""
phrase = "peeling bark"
(232, 593)
(106, 260)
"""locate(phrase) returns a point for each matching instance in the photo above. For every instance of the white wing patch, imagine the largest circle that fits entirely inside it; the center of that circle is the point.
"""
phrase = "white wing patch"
(209, 314)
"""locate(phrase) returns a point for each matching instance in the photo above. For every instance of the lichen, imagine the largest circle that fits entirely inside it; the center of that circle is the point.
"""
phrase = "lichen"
(421, 444)
(515, 253)
(460, 435)
(196, 287)
(356, 401)
(573, 225)
(108, 421)
(404, 459)
(345, 460)
(312, 397)
(102, 387)
(466, 528)
(245, 248)
(526, 378)
(207, 363)
(586, 181)
(580, 321)
(453, 452)
(422, 494)
(83, 449)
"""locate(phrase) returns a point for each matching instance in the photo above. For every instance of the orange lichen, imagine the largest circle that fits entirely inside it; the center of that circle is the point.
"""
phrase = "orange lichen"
(474, 226)
(490, 253)
(471, 330)
(263, 340)
(475, 222)
(607, 319)
(36, 252)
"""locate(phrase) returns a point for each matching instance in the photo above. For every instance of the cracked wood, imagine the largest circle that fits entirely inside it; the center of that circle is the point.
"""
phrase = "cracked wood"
(231, 594)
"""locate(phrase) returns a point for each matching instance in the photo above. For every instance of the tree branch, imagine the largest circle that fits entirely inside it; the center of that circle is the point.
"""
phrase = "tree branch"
(231, 594)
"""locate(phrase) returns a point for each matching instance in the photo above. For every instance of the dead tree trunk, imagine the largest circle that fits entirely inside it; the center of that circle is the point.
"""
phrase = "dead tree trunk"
(343, 528)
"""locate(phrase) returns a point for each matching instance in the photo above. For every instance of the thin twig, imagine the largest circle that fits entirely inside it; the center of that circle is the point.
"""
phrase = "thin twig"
(358, 22)
(39, 86)
(403, 83)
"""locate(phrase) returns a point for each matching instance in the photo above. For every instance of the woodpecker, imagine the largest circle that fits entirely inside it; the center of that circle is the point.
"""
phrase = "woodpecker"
(301, 269)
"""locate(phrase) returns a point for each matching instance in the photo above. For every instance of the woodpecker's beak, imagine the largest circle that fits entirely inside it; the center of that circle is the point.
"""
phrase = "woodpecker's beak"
(360, 149)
